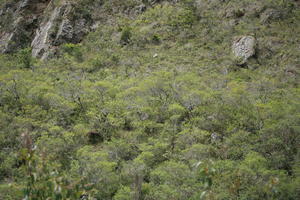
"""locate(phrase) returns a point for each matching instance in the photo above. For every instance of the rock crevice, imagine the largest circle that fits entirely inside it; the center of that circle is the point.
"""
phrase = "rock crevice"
(41, 24)
(18, 23)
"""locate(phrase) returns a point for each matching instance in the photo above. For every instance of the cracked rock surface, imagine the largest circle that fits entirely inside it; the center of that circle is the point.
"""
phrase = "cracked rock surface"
(244, 47)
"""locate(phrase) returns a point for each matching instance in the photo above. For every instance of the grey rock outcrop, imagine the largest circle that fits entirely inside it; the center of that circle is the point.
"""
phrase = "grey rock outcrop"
(45, 25)
(5, 42)
(243, 48)
(59, 28)
(18, 22)
(41, 24)
(45, 35)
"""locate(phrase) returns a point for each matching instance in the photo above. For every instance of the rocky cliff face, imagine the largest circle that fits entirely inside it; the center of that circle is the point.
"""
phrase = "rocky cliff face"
(60, 26)
(46, 24)
(42, 24)
(18, 21)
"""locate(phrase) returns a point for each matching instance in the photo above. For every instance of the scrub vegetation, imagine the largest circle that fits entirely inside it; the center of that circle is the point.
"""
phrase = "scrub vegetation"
(154, 106)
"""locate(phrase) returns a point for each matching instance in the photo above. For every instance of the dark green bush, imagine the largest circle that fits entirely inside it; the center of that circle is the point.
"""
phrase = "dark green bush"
(126, 35)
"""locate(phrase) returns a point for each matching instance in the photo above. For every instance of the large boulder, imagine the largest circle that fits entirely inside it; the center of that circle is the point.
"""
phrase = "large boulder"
(243, 48)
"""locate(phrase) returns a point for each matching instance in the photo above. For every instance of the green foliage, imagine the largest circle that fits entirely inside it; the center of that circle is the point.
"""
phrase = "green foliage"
(123, 193)
(72, 50)
(165, 115)
(42, 180)
(126, 36)
(24, 58)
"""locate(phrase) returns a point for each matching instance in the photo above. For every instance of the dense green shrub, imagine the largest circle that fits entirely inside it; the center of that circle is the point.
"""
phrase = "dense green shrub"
(165, 115)
(126, 36)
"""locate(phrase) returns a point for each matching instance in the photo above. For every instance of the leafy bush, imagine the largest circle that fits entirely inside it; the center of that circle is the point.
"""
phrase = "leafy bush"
(126, 36)
(165, 115)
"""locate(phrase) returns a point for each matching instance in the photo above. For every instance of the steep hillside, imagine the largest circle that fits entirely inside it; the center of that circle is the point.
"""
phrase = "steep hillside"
(149, 99)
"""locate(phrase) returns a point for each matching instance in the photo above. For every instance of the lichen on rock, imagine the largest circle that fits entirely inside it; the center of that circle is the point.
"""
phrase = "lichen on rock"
(243, 48)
